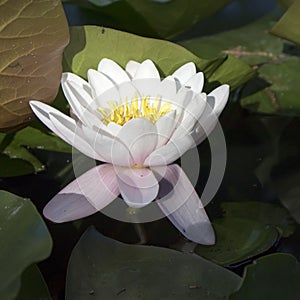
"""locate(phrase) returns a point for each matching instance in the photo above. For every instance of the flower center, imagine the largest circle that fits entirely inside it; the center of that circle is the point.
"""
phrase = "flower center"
(124, 112)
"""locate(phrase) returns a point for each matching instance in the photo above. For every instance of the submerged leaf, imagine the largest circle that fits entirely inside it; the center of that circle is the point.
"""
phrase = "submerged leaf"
(33, 35)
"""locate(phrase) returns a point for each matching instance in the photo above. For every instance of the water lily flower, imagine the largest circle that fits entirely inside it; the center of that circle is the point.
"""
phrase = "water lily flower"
(138, 125)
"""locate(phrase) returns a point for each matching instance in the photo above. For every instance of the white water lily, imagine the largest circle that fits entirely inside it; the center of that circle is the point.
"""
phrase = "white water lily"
(138, 125)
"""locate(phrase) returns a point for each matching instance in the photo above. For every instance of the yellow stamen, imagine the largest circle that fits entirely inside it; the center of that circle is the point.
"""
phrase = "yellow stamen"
(131, 110)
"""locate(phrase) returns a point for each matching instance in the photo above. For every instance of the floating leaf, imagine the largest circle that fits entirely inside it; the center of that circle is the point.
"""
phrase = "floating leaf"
(265, 213)
(33, 285)
(250, 43)
(275, 276)
(277, 91)
(288, 26)
(14, 145)
(89, 44)
(33, 35)
(24, 239)
(157, 18)
(281, 97)
(238, 240)
(110, 270)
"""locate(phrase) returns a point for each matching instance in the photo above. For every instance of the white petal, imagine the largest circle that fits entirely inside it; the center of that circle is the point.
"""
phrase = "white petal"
(87, 194)
(170, 152)
(78, 80)
(42, 110)
(216, 102)
(146, 79)
(80, 104)
(110, 148)
(167, 89)
(191, 115)
(68, 128)
(132, 67)
(99, 82)
(113, 71)
(146, 69)
(113, 128)
(138, 187)
(185, 72)
(165, 127)
(189, 216)
(196, 83)
(140, 137)
(219, 97)
(183, 97)
(75, 93)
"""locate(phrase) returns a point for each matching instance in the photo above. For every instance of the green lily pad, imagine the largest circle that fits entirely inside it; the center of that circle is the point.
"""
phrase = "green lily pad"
(17, 160)
(265, 213)
(162, 19)
(281, 97)
(24, 239)
(275, 276)
(237, 240)
(288, 27)
(103, 268)
(33, 35)
(277, 91)
(89, 44)
(250, 43)
(33, 285)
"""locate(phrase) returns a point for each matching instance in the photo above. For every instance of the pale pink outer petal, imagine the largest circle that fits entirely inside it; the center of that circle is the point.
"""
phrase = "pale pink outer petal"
(87, 194)
(190, 218)
(138, 187)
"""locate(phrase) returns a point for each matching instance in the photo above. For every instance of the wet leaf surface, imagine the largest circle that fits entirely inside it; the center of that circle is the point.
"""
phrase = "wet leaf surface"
(33, 35)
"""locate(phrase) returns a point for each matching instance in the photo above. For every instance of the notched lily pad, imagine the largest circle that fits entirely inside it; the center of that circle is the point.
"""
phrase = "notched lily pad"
(265, 213)
(113, 270)
(246, 230)
(33, 35)
(238, 240)
(275, 276)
